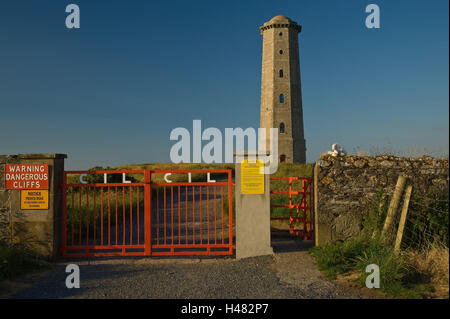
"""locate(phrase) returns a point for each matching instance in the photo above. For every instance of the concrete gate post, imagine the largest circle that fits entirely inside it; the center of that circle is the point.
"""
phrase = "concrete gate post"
(33, 223)
(252, 216)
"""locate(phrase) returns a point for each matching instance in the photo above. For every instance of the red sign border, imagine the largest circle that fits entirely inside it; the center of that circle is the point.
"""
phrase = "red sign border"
(44, 187)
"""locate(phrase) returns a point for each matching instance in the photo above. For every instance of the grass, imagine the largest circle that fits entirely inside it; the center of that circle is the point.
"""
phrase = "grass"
(284, 170)
(16, 261)
(78, 200)
(397, 277)
(432, 261)
(428, 219)
(91, 217)
(287, 170)
(159, 177)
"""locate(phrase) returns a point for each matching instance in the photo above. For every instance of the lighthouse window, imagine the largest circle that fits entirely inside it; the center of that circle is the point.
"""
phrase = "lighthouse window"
(281, 73)
(281, 127)
(281, 98)
(281, 51)
(281, 33)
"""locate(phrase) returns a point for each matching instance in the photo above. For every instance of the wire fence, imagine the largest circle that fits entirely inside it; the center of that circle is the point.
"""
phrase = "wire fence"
(427, 219)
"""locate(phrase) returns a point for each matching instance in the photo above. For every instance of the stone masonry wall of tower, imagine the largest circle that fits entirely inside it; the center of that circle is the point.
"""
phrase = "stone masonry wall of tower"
(281, 99)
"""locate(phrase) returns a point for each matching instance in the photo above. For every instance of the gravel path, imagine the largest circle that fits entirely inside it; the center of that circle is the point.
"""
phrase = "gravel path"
(290, 273)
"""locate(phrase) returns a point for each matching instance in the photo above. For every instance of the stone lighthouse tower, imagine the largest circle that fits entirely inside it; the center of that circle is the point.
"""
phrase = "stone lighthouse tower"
(281, 95)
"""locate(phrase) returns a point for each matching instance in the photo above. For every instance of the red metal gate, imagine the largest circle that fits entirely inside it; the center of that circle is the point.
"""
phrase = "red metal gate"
(106, 215)
(300, 212)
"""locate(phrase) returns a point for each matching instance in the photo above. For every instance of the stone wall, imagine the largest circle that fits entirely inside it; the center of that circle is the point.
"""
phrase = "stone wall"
(346, 185)
(39, 230)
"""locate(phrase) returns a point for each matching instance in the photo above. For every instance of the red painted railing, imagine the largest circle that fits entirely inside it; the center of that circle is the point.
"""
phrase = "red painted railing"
(300, 206)
(147, 218)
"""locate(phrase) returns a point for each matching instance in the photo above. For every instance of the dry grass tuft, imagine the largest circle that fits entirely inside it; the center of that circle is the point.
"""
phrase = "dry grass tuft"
(433, 262)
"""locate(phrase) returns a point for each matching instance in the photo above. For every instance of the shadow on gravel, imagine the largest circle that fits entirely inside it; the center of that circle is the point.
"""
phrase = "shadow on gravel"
(282, 243)
(134, 259)
(93, 277)
(249, 278)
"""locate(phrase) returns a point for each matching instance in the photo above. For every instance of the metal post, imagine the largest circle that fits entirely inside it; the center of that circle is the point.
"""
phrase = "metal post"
(147, 212)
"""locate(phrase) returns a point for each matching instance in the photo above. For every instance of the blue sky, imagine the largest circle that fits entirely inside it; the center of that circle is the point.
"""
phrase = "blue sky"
(110, 92)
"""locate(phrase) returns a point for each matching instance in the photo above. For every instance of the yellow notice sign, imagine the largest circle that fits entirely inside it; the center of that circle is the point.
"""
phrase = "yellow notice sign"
(252, 181)
(34, 199)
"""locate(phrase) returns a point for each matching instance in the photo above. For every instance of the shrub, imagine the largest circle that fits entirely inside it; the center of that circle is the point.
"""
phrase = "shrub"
(340, 257)
(396, 275)
(410, 273)
(16, 261)
(375, 216)
(427, 219)
(431, 261)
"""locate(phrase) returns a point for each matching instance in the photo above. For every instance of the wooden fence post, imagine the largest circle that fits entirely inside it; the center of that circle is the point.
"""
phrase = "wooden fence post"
(393, 205)
(401, 226)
